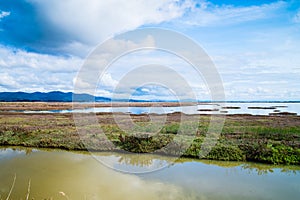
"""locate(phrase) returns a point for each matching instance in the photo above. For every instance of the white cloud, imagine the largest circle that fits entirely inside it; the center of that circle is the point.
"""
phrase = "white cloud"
(76, 48)
(90, 77)
(125, 67)
(93, 21)
(26, 71)
(107, 80)
(20, 59)
(7, 82)
(260, 76)
(116, 46)
(207, 14)
(4, 14)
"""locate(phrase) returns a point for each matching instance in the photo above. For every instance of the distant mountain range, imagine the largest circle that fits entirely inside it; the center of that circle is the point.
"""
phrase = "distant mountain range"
(57, 96)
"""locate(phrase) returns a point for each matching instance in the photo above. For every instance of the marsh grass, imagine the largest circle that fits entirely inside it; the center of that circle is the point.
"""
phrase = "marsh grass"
(28, 190)
(12, 187)
(244, 138)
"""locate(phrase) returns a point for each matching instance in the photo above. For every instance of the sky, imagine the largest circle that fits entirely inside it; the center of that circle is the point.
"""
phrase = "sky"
(253, 44)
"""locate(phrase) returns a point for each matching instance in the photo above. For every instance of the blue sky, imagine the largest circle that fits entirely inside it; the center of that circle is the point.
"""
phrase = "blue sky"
(254, 44)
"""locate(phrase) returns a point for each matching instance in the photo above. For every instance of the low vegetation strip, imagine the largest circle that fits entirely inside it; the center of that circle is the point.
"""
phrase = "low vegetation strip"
(267, 139)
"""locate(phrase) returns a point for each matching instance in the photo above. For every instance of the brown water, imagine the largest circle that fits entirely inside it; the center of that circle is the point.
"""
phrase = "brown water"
(55, 174)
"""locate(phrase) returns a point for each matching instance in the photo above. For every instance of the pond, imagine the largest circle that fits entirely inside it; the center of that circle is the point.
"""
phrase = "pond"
(57, 174)
(207, 108)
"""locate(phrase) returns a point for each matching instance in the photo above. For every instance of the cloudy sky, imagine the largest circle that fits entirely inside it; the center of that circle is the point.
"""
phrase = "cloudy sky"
(254, 44)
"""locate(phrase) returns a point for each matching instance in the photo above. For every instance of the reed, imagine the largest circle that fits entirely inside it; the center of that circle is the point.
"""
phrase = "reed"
(12, 187)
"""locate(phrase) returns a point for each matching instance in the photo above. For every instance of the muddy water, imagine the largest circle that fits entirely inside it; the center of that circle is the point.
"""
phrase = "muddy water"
(57, 174)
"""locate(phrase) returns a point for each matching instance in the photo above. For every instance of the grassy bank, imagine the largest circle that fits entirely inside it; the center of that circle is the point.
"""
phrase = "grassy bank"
(267, 139)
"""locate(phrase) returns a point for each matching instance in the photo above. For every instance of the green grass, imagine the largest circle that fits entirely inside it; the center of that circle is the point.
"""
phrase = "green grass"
(273, 140)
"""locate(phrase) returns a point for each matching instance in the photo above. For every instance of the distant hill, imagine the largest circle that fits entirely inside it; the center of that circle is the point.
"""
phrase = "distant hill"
(55, 96)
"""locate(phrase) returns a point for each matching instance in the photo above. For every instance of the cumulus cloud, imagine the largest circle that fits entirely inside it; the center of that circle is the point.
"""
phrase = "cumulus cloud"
(93, 21)
(75, 27)
(26, 71)
(7, 82)
(20, 60)
(107, 80)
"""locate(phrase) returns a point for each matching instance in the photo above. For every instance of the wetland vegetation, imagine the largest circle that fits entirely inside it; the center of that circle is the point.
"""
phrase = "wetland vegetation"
(266, 139)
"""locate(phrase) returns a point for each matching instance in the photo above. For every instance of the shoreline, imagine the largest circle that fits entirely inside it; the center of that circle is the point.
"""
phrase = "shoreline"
(220, 163)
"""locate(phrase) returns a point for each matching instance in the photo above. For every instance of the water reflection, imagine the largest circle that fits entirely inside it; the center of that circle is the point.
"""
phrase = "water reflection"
(265, 169)
(142, 161)
(8, 153)
(252, 167)
(77, 175)
(66, 175)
